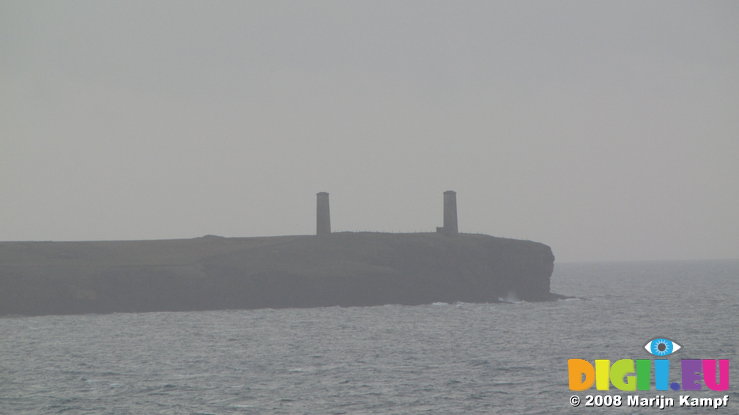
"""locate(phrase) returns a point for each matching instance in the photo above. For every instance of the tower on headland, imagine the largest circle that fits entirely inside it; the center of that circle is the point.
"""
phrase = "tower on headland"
(323, 214)
(450, 214)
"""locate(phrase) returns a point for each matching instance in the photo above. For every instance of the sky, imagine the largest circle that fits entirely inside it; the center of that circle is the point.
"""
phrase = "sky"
(607, 130)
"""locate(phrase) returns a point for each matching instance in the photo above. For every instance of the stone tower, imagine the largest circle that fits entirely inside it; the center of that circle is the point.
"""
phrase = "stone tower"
(450, 214)
(323, 214)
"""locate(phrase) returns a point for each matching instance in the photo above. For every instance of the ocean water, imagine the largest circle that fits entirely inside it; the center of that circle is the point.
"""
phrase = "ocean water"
(433, 359)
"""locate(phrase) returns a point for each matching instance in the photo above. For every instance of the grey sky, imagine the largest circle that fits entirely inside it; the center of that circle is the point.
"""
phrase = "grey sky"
(608, 130)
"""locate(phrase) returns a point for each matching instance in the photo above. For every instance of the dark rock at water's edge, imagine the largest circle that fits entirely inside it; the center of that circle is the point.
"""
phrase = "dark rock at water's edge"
(211, 273)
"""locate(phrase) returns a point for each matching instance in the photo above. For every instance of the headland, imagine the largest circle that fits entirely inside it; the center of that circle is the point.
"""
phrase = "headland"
(326, 269)
(211, 272)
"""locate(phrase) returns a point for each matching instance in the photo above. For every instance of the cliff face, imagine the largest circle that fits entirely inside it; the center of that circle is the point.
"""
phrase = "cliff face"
(346, 269)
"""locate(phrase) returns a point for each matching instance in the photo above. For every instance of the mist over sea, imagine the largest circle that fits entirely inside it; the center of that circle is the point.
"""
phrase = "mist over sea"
(436, 359)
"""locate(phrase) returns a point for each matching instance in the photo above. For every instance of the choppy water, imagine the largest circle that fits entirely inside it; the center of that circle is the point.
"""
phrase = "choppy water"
(436, 359)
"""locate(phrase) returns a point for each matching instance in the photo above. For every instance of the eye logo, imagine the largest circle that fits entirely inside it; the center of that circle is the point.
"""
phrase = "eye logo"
(662, 347)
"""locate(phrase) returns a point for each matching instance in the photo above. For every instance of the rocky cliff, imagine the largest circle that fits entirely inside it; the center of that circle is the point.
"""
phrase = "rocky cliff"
(344, 269)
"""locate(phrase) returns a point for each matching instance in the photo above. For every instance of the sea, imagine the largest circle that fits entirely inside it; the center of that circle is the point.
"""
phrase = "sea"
(462, 358)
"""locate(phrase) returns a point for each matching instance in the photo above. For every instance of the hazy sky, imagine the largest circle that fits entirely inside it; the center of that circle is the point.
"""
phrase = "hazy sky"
(607, 130)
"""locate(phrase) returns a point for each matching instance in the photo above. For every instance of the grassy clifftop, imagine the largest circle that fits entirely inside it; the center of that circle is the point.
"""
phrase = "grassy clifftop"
(347, 269)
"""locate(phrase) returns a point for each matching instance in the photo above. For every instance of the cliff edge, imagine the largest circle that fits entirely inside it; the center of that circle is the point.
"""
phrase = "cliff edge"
(208, 273)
